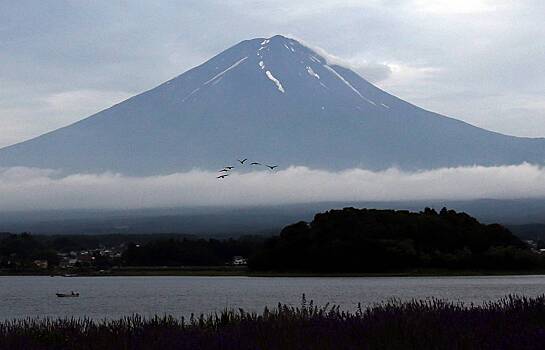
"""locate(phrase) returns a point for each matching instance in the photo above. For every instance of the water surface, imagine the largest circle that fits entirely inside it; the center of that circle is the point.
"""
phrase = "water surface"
(112, 297)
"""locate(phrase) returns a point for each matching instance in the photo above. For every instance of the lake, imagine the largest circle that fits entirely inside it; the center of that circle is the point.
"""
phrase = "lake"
(113, 297)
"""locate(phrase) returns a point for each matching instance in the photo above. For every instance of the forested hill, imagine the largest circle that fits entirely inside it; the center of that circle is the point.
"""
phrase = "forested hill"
(367, 240)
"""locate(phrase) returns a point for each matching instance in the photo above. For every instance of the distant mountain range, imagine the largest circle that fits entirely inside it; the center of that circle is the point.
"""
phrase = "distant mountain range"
(272, 100)
(526, 217)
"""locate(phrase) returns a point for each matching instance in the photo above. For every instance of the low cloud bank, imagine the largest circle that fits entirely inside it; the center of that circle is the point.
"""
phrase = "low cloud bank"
(30, 189)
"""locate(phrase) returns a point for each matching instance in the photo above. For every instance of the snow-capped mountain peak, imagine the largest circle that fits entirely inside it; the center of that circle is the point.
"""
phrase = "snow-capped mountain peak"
(267, 98)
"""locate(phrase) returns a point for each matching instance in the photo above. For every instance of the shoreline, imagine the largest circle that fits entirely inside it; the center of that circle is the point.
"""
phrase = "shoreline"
(229, 271)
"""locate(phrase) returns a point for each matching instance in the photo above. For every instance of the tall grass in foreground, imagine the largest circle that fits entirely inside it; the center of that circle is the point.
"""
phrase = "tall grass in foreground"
(511, 323)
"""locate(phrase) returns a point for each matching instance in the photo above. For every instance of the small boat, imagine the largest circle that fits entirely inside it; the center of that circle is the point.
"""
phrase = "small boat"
(68, 295)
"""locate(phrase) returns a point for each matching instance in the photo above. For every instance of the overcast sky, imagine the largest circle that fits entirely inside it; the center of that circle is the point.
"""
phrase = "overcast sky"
(476, 60)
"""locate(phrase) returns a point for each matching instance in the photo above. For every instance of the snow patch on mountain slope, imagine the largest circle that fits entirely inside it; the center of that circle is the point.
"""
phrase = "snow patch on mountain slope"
(190, 94)
(220, 74)
(311, 72)
(348, 84)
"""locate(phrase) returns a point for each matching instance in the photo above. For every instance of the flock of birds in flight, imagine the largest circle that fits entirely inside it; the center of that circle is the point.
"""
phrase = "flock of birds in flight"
(225, 171)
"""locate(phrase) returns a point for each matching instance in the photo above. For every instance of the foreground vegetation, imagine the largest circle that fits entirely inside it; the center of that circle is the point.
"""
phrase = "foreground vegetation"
(511, 323)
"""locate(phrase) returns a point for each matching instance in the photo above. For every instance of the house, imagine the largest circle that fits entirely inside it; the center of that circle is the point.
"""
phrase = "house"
(41, 264)
(239, 260)
(531, 243)
(67, 262)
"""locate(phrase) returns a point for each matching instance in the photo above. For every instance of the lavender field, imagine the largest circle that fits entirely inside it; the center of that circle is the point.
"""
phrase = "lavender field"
(514, 322)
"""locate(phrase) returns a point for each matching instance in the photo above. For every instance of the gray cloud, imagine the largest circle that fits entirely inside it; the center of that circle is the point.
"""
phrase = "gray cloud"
(372, 71)
(26, 188)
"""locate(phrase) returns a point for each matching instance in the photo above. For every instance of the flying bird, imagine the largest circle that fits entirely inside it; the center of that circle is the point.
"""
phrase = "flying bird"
(271, 166)
(242, 161)
(223, 170)
(255, 163)
(222, 176)
(228, 167)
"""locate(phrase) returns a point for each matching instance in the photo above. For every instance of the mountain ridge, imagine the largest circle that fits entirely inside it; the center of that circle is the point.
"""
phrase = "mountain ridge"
(274, 99)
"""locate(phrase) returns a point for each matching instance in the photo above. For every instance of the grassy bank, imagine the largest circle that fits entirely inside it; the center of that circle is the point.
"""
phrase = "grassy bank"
(511, 323)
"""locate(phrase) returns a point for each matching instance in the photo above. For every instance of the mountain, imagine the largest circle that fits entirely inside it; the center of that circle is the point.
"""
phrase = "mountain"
(524, 217)
(271, 100)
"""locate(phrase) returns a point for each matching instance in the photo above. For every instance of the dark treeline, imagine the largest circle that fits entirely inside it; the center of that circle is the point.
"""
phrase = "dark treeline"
(347, 240)
(20, 251)
(191, 252)
(24, 248)
(75, 242)
(368, 240)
